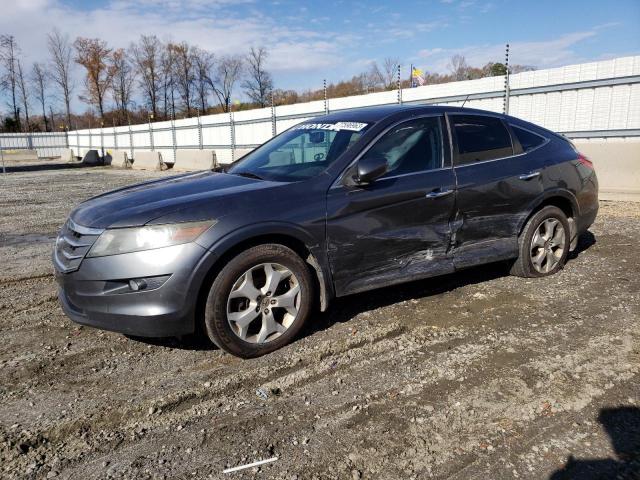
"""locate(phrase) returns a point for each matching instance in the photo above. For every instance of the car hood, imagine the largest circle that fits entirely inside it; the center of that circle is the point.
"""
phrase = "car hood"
(181, 198)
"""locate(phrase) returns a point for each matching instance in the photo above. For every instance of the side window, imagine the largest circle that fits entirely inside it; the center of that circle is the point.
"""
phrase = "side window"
(480, 138)
(412, 146)
(527, 139)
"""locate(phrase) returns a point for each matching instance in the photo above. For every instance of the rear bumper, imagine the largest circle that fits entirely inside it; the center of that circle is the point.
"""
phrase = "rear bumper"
(98, 295)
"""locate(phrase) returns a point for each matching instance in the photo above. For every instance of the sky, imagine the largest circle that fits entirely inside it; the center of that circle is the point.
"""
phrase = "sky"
(309, 41)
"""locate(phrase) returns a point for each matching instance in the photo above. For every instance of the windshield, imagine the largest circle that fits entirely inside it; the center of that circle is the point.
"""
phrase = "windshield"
(301, 152)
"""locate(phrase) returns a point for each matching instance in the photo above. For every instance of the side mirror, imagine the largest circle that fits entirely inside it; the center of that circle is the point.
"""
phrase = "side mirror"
(370, 168)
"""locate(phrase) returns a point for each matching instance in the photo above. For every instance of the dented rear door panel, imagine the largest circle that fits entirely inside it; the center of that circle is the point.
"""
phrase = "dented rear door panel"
(493, 199)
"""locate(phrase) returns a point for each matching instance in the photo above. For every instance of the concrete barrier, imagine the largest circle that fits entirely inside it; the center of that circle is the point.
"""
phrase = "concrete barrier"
(617, 164)
(68, 156)
(190, 160)
(92, 157)
(147, 161)
(118, 159)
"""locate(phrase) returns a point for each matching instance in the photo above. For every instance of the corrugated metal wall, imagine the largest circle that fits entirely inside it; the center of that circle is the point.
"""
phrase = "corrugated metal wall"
(590, 100)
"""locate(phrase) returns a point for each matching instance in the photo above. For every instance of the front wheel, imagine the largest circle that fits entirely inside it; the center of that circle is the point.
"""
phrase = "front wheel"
(543, 244)
(259, 301)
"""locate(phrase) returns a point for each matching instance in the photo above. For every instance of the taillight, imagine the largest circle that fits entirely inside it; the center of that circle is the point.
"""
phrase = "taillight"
(585, 161)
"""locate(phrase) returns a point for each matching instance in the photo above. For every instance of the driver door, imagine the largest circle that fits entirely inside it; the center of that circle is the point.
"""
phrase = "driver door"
(397, 228)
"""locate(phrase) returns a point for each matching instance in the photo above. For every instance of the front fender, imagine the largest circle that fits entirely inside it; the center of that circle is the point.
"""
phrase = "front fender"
(222, 245)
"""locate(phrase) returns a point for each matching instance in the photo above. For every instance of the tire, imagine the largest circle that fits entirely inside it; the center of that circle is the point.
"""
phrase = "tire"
(240, 292)
(534, 259)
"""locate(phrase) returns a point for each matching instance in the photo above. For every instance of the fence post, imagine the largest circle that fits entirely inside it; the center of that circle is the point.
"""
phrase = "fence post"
(77, 141)
(115, 135)
(233, 136)
(505, 106)
(399, 86)
(150, 116)
(273, 117)
(326, 102)
(4, 170)
(130, 138)
(102, 141)
(173, 136)
(199, 132)
(90, 140)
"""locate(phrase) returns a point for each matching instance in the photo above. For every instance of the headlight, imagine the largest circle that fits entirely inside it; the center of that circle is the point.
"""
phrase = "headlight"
(127, 240)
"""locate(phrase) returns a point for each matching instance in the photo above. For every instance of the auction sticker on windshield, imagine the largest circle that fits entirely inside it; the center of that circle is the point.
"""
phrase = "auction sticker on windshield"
(352, 126)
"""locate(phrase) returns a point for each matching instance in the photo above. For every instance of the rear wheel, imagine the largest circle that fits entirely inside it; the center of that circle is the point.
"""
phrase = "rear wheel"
(259, 301)
(543, 244)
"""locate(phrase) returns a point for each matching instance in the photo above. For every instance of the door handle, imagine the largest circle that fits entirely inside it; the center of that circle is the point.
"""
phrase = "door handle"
(439, 193)
(529, 176)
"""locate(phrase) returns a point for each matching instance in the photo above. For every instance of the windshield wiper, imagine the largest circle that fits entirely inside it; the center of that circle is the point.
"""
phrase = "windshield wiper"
(248, 175)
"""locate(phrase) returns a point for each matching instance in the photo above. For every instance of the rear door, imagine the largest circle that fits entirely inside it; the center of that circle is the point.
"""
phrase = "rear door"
(497, 184)
(396, 228)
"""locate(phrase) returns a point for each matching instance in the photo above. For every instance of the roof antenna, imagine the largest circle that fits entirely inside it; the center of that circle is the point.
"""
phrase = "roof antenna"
(465, 101)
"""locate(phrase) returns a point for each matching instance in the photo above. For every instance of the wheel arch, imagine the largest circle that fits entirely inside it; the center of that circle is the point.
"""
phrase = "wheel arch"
(290, 236)
(564, 200)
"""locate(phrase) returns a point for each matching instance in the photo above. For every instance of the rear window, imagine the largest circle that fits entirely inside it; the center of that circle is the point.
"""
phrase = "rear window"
(480, 138)
(527, 139)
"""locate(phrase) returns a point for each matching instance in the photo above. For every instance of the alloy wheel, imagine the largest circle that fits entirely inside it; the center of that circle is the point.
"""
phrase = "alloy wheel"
(263, 303)
(547, 245)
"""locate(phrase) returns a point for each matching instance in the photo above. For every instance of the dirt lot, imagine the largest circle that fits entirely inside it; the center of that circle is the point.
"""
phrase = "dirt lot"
(476, 375)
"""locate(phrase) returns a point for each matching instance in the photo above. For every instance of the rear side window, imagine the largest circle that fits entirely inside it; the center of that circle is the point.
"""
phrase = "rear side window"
(527, 139)
(480, 138)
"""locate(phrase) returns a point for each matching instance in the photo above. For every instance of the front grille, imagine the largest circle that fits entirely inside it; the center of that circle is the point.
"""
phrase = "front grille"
(72, 244)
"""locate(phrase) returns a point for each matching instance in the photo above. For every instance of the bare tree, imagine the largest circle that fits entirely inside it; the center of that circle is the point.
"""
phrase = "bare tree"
(168, 82)
(459, 68)
(227, 72)
(184, 72)
(259, 84)
(373, 78)
(390, 71)
(39, 79)
(93, 54)
(147, 57)
(122, 78)
(9, 52)
(61, 56)
(203, 62)
(24, 94)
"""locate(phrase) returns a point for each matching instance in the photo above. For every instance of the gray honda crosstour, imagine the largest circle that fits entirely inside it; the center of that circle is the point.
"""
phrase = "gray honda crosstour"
(343, 203)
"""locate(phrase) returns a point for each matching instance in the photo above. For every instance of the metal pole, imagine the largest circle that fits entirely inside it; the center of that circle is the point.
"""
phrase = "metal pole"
(115, 135)
(173, 136)
(150, 132)
(233, 136)
(4, 169)
(399, 86)
(199, 132)
(505, 106)
(326, 102)
(273, 116)
(130, 138)
(102, 141)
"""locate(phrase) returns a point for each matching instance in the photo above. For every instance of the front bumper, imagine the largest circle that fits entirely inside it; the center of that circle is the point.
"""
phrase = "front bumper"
(97, 294)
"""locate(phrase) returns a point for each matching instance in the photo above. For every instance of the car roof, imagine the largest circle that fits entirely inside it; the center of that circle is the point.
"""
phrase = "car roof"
(376, 113)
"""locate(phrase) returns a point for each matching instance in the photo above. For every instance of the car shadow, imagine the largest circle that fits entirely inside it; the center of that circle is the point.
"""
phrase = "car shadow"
(345, 308)
(622, 425)
(585, 241)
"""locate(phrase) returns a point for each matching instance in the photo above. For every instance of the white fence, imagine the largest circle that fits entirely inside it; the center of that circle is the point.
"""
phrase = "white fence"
(590, 100)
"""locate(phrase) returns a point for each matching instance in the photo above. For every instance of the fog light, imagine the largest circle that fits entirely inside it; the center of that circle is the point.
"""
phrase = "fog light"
(136, 284)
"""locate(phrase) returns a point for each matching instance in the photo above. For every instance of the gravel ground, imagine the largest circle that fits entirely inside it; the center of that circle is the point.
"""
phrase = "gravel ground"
(470, 376)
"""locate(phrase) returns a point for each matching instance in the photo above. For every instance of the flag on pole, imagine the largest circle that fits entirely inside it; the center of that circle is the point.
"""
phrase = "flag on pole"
(417, 77)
